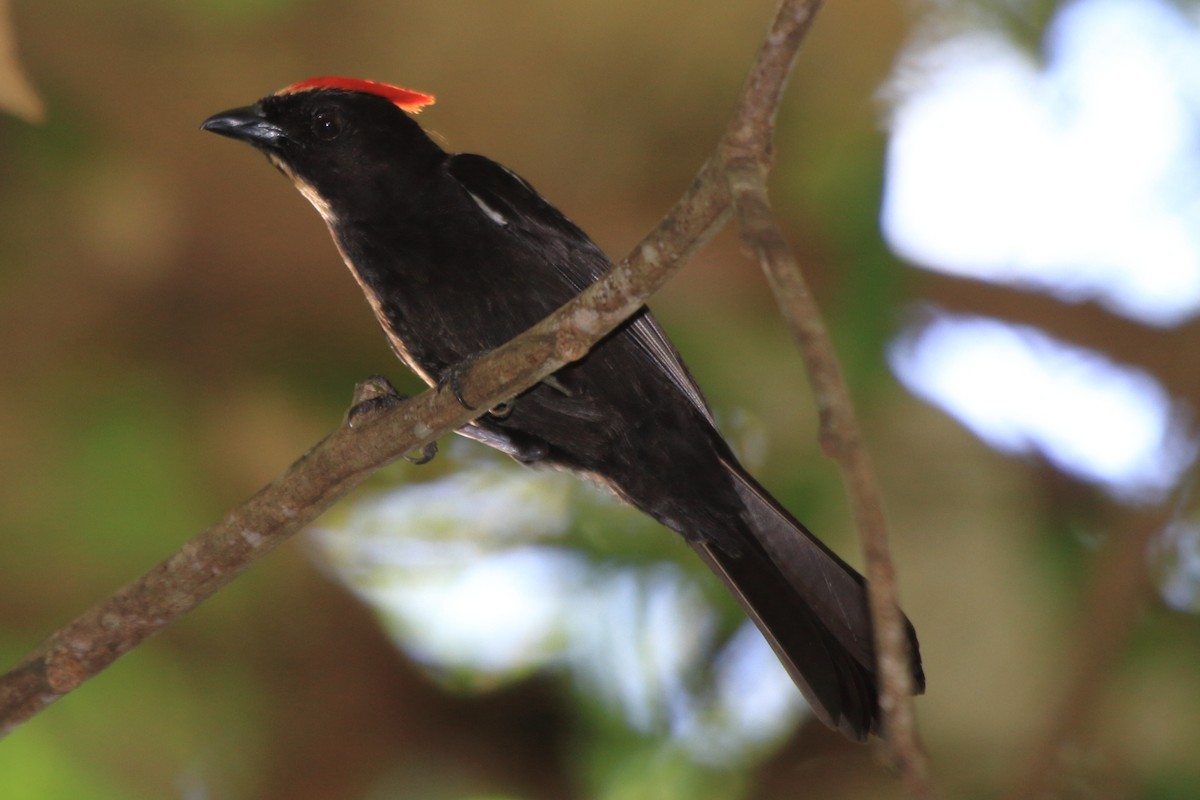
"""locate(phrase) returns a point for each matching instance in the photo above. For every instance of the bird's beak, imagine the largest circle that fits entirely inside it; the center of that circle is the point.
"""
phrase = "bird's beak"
(247, 124)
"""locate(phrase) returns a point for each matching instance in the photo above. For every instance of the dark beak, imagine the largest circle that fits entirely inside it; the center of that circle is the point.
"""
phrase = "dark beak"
(247, 124)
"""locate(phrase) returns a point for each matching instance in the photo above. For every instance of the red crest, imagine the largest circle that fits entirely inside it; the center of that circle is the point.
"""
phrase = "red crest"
(406, 99)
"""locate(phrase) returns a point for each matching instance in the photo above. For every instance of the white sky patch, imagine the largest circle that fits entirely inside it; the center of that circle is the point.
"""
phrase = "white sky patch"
(475, 576)
(1081, 178)
(1178, 562)
(1025, 393)
(496, 612)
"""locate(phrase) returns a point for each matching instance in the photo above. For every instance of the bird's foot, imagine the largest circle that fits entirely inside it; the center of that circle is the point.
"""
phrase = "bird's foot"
(452, 379)
(377, 394)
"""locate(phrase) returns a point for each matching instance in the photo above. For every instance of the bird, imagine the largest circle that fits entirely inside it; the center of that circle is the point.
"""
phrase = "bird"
(457, 255)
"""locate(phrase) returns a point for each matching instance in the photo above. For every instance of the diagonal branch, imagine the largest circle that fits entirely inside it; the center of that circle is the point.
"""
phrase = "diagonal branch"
(735, 174)
(88, 644)
(346, 457)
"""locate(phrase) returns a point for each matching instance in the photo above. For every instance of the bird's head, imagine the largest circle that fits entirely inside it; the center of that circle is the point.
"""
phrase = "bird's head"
(343, 141)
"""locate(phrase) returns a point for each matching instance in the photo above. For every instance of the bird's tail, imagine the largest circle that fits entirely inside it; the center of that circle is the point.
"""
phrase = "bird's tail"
(810, 605)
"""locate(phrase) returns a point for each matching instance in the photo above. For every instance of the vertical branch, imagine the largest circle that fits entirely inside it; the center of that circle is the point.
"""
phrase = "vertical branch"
(747, 154)
(842, 441)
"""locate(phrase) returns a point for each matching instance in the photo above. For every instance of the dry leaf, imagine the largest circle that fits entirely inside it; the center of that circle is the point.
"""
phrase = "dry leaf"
(17, 95)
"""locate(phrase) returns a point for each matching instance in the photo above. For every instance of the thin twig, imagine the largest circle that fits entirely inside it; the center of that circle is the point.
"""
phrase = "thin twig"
(95, 639)
(842, 441)
(747, 152)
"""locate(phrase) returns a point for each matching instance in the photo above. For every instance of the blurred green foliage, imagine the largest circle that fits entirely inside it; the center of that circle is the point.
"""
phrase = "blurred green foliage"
(177, 328)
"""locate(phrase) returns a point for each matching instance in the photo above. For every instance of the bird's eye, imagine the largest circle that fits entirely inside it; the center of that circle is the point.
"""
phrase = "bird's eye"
(326, 125)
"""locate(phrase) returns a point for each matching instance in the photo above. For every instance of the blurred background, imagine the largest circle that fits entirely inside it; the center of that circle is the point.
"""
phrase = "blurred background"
(998, 205)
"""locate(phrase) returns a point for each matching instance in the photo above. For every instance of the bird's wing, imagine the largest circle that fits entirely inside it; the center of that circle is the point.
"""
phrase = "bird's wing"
(508, 201)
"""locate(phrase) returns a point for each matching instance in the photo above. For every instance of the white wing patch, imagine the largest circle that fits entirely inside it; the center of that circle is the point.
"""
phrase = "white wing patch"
(492, 214)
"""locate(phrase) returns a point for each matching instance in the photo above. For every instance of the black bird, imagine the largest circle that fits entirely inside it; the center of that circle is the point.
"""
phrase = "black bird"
(457, 255)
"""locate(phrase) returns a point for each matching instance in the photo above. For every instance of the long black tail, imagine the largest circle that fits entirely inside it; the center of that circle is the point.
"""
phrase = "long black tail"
(810, 605)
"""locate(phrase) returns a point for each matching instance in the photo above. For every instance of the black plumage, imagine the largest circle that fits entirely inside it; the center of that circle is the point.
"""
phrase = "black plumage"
(457, 255)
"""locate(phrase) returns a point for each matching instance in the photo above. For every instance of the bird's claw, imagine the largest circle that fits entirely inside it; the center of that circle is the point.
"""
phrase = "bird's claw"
(452, 379)
(424, 456)
(373, 395)
(503, 410)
